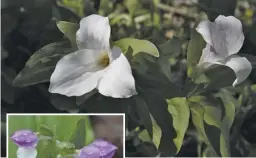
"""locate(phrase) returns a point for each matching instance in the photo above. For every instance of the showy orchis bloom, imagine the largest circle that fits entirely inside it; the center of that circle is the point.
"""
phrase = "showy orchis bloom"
(224, 39)
(26, 141)
(95, 65)
(98, 149)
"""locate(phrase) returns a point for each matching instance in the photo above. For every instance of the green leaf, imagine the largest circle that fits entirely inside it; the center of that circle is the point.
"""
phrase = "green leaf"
(66, 148)
(69, 30)
(137, 46)
(78, 136)
(216, 73)
(151, 79)
(229, 110)
(62, 102)
(144, 114)
(213, 121)
(197, 113)
(41, 64)
(156, 133)
(194, 52)
(178, 108)
(210, 78)
(89, 135)
(162, 123)
(47, 148)
(101, 104)
(82, 99)
(230, 104)
(45, 131)
(144, 136)
(171, 47)
(208, 152)
(169, 50)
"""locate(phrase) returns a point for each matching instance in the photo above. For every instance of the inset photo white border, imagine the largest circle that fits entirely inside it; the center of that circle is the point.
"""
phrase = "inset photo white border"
(62, 114)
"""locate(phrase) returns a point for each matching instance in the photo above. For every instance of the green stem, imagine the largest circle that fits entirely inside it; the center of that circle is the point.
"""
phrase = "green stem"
(194, 91)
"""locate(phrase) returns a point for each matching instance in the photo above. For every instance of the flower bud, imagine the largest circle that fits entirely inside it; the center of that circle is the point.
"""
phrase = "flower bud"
(25, 138)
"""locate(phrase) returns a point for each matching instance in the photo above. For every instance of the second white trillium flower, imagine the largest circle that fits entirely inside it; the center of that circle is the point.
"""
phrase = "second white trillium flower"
(224, 39)
(94, 65)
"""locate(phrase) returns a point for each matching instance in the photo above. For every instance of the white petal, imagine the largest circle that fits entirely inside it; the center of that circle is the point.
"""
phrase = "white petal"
(118, 81)
(209, 57)
(205, 28)
(94, 33)
(240, 65)
(231, 27)
(26, 152)
(77, 73)
(213, 36)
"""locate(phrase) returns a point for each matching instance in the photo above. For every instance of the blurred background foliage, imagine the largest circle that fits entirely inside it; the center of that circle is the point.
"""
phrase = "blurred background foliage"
(29, 25)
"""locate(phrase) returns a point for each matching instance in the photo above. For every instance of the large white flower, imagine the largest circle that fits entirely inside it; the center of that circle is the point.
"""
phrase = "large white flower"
(94, 65)
(224, 39)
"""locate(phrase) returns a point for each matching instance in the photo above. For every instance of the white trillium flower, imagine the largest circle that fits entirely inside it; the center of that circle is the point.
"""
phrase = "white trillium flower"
(224, 39)
(94, 65)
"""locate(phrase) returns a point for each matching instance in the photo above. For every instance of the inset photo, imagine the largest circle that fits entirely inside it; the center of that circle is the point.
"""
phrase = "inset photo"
(65, 135)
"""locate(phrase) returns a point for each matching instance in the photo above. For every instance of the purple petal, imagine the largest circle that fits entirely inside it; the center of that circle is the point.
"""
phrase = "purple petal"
(98, 149)
(25, 138)
(90, 151)
(107, 149)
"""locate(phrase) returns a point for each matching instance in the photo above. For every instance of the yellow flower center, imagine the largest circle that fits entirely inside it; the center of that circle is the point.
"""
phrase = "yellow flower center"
(104, 60)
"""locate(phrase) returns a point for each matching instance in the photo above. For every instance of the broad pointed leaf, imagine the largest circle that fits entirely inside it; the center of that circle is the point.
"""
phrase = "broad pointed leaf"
(62, 102)
(137, 46)
(144, 114)
(156, 133)
(163, 130)
(197, 113)
(194, 52)
(179, 109)
(69, 30)
(41, 64)
(213, 121)
(169, 50)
